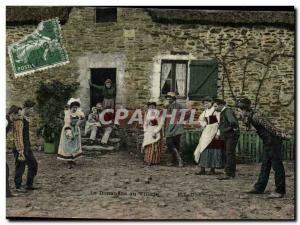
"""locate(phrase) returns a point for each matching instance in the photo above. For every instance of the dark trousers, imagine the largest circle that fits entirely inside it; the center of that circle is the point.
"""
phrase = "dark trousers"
(173, 145)
(7, 181)
(271, 158)
(230, 145)
(20, 168)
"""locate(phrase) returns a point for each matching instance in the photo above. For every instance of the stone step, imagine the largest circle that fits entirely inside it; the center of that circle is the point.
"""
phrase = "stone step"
(114, 140)
(98, 141)
(98, 148)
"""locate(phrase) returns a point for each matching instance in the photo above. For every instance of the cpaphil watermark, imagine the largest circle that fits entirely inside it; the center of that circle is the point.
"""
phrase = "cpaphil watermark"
(176, 116)
(39, 50)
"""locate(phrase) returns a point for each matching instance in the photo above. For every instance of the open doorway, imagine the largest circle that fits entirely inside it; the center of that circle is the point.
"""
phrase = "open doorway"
(98, 77)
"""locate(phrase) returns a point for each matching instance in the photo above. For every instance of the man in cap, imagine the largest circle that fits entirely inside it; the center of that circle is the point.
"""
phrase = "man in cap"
(229, 132)
(108, 92)
(99, 107)
(173, 129)
(31, 162)
(272, 148)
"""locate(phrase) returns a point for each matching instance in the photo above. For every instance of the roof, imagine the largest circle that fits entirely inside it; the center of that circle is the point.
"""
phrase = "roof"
(18, 15)
(247, 16)
(224, 17)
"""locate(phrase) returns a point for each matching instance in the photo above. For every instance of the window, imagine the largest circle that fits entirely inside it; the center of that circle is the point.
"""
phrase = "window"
(173, 77)
(106, 14)
(203, 79)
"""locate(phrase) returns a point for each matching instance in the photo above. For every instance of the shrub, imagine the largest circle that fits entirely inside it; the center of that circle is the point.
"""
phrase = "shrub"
(51, 99)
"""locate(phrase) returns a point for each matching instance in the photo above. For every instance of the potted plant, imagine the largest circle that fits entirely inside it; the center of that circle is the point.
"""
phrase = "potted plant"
(51, 100)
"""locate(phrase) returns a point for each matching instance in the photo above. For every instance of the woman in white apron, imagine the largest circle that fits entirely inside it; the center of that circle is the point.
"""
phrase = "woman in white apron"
(70, 140)
(152, 135)
(210, 150)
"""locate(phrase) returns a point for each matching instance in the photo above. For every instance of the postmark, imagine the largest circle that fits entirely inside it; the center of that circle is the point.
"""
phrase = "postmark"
(40, 50)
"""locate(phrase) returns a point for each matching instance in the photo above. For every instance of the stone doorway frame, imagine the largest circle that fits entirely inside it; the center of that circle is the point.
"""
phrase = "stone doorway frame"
(92, 60)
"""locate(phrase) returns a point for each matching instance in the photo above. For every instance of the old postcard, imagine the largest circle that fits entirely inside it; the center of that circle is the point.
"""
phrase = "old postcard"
(153, 113)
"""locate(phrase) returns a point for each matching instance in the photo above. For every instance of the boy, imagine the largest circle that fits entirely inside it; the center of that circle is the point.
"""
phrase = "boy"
(92, 124)
(229, 132)
(22, 152)
(174, 130)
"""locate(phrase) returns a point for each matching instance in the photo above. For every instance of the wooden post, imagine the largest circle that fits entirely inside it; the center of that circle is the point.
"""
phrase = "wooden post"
(241, 143)
(257, 149)
(249, 146)
(285, 150)
(261, 147)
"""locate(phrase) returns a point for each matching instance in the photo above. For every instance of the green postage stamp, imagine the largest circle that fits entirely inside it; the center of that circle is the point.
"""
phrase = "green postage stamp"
(39, 50)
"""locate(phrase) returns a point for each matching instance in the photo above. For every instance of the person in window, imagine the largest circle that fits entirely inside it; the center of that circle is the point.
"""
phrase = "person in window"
(229, 132)
(70, 140)
(272, 148)
(108, 92)
(210, 150)
(152, 135)
(174, 129)
(92, 124)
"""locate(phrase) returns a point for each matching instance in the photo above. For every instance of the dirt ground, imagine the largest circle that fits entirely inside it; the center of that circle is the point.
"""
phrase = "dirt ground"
(117, 185)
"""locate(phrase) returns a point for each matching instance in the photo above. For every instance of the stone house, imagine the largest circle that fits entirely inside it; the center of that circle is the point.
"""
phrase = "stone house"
(150, 51)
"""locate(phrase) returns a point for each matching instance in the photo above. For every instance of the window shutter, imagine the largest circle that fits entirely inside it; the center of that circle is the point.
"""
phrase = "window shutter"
(203, 79)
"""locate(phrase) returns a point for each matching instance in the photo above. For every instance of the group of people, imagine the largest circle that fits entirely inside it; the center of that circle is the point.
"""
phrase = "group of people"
(220, 130)
(70, 149)
(218, 140)
(215, 150)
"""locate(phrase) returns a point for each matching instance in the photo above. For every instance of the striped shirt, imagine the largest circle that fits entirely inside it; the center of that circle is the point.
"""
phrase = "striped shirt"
(18, 134)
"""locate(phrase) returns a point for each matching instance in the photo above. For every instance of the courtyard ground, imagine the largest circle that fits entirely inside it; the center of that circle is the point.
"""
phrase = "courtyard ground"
(117, 185)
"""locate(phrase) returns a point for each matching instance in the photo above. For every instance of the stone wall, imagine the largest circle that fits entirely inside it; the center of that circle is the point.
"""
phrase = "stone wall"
(136, 45)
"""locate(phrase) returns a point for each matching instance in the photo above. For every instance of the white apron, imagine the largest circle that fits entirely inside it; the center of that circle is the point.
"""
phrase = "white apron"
(208, 133)
(70, 149)
(150, 130)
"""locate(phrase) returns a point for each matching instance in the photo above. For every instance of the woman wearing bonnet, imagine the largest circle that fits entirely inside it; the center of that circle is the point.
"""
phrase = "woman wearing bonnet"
(70, 140)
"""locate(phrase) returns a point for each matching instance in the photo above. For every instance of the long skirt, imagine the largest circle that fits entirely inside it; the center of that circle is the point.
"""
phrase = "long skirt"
(152, 153)
(212, 158)
(214, 155)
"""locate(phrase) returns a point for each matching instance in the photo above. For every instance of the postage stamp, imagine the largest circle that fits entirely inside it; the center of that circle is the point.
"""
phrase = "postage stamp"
(40, 50)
